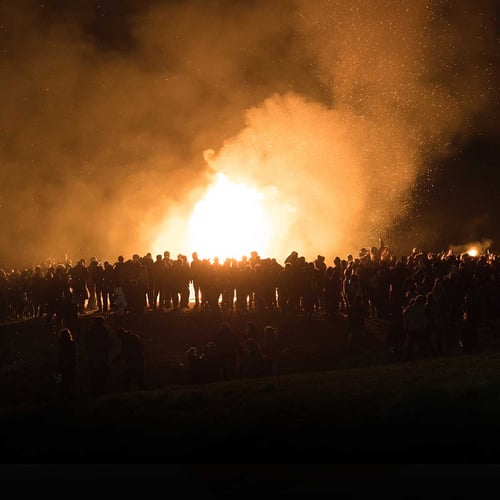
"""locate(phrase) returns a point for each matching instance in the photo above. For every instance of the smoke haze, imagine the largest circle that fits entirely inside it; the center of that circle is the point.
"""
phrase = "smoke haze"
(115, 118)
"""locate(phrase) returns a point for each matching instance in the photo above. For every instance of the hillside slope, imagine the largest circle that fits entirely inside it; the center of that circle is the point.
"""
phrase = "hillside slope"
(427, 411)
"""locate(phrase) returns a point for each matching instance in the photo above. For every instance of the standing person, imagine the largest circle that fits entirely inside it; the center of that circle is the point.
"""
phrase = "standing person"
(120, 305)
(91, 283)
(98, 345)
(468, 329)
(132, 355)
(158, 270)
(209, 364)
(70, 314)
(356, 323)
(415, 324)
(196, 265)
(396, 334)
(79, 276)
(429, 344)
(270, 349)
(108, 286)
(253, 361)
(66, 363)
(191, 366)
(185, 278)
(228, 349)
(149, 264)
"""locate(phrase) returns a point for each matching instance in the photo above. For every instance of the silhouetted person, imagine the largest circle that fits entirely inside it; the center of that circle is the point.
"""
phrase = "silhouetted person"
(333, 291)
(270, 342)
(415, 324)
(185, 278)
(228, 349)
(191, 366)
(356, 322)
(94, 276)
(254, 363)
(209, 366)
(98, 345)
(440, 311)
(429, 342)
(79, 276)
(250, 331)
(468, 328)
(66, 363)
(158, 271)
(108, 286)
(70, 314)
(270, 349)
(396, 334)
(121, 306)
(151, 285)
(132, 356)
(38, 292)
(195, 277)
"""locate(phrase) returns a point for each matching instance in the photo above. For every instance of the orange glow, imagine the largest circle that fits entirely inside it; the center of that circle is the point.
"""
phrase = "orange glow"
(473, 252)
(230, 221)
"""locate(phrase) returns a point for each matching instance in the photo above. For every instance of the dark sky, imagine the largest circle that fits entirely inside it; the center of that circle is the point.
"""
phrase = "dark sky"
(108, 106)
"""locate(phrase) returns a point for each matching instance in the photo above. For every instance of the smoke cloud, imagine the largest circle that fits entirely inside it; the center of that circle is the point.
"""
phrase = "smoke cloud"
(114, 121)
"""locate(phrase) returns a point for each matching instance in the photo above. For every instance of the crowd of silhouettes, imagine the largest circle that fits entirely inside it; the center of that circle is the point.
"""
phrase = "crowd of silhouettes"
(93, 355)
(231, 355)
(420, 296)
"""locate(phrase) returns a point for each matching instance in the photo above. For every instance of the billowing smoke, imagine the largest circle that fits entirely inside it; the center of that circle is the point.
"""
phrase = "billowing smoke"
(333, 107)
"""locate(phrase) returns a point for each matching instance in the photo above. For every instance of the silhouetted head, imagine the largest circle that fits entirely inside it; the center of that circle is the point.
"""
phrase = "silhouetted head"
(209, 348)
(65, 336)
(122, 332)
(224, 328)
(270, 331)
(191, 353)
(250, 329)
(99, 320)
(420, 299)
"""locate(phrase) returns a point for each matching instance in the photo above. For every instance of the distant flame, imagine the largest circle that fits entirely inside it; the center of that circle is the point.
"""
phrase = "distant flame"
(473, 252)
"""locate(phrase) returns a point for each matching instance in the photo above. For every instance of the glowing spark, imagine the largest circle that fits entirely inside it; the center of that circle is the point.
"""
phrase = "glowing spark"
(473, 252)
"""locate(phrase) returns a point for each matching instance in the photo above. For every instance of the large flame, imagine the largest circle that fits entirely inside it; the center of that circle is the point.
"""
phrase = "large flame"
(230, 221)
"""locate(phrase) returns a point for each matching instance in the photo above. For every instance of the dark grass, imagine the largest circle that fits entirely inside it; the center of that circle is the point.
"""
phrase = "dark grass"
(342, 408)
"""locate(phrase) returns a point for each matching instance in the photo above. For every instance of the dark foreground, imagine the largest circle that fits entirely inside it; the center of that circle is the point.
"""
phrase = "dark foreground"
(364, 409)
(440, 410)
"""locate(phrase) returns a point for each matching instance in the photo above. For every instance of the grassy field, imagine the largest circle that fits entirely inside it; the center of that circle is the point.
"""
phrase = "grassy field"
(341, 408)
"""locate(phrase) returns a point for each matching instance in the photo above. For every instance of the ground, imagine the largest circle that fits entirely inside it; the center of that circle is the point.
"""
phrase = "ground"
(327, 406)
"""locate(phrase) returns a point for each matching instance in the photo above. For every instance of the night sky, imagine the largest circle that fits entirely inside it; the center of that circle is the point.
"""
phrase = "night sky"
(374, 118)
